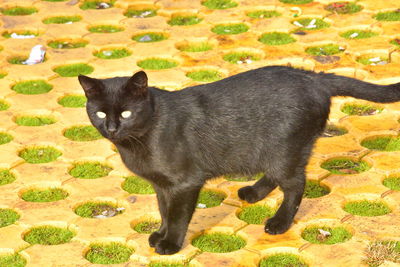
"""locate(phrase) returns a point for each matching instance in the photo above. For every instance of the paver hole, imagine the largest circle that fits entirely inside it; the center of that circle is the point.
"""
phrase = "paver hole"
(379, 252)
(150, 37)
(105, 29)
(263, 14)
(358, 34)
(396, 42)
(241, 57)
(324, 50)
(137, 185)
(112, 53)
(35, 120)
(62, 20)
(343, 7)
(98, 210)
(296, 2)
(218, 242)
(332, 130)
(17, 60)
(48, 235)
(6, 177)
(326, 235)
(194, 46)
(44, 195)
(5, 138)
(39, 154)
(97, 4)
(89, 170)
(382, 143)
(388, 16)
(184, 20)
(67, 43)
(314, 189)
(4, 105)
(205, 75)
(157, 63)
(310, 24)
(19, 11)
(168, 264)
(367, 208)
(276, 38)
(234, 28)
(243, 178)
(14, 260)
(256, 214)
(345, 166)
(108, 253)
(219, 4)
(392, 182)
(147, 227)
(20, 33)
(3, 74)
(73, 101)
(360, 109)
(82, 133)
(282, 260)
(140, 12)
(210, 198)
(8, 217)
(372, 60)
(73, 70)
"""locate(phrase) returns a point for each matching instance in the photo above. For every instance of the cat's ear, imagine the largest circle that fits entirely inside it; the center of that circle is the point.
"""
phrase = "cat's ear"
(137, 84)
(89, 85)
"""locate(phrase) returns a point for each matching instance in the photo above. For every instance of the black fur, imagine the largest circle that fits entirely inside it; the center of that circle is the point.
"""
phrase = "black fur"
(263, 120)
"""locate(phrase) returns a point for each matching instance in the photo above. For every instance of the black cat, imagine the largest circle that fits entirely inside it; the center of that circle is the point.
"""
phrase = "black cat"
(263, 120)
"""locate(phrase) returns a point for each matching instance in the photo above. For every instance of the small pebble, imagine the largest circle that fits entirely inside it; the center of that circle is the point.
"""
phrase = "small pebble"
(354, 35)
(201, 205)
(145, 38)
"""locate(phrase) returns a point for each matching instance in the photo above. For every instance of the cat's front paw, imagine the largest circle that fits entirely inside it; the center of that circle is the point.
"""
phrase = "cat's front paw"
(155, 238)
(165, 247)
(276, 225)
(248, 194)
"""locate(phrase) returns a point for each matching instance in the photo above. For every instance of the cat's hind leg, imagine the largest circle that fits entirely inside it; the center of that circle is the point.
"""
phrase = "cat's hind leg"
(258, 191)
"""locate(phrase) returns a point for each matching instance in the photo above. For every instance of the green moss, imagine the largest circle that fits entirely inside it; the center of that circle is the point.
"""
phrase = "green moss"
(7, 34)
(82, 133)
(210, 198)
(48, 235)
(17, 60)
(325, 50)
(73, 70)
(360, 109)
(242, 178)
(319, 24)
(358, 34)
(110, 253)
(62, 20)
(218, 242)
(157, 64)
(333, 130)
(149, 37)
(343, 7)
(35, 120)
(380, 251)
(140, 13)
(73, 101)
(337, 235)
(113, 53)
(19, 11)
(105, 29)
(282, 260)
(44, 195)
(184, 20)
(230, 28)
(14, 260)
(396, 42)
(345, 166)
(263, 14)
(95, 4)
(276, 38)
(5, 138)
(368, 60)
(388, 16)
(256, 214)
(97, 209)
(70, 44)
(137, 185)
(38, 154)
(296, 2)
(204, 75)
(4, 105)
(8, 217)
(219, 4)
(195, 47)
(167, 264)
(314, 189)
(391, 182)
(89, 170)
(6, 177)
(147, 227)
(382, 143)
(367, 208)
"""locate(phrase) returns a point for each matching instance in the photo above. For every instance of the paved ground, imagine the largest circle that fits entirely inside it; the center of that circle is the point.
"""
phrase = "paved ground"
(325, 210)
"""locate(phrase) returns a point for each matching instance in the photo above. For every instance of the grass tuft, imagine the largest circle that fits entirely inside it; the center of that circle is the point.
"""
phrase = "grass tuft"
(296, 2)
(263, 14)
(3, 74)
(5, 138)
(44, 195)
(6, 177)
(48, 235)
(110, 253)
(242, 178)
(97, 209)
(33, 87)
(113, 53)
(337, 235)
(70, 44)
(388, 16)
(382, 143)
(219, 4)
(82, 133)
(34, 120)
(195, 47)
(105, 29)
(210, 198)
(147, 227)
(276, 38)
(379, 251)
(325, 50)
(96, 4)
(149, 37)
(204, 75)
(332, 130)
(140, 13)
(367, 208)
(314, 189)
(184, 20)
(358, 34)
(157, 64)
(62, 20)
(319, 24)
(14, 260)
(282, 260)
(19, 11)
(42, 154)
(8, 217)
(240, 58)
(89, 170)
(396, 42)
(230, 28)
(73, 101)
(7, 34)
(218, 242)
(345, 166)
(391, 182)
(343, 7)
(137, 185)
(360, 109)
(4, 105)
(74, 70)
(256, 214)
(167, 264)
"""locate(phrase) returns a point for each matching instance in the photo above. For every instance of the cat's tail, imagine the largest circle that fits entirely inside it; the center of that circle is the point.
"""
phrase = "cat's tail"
(345, 86)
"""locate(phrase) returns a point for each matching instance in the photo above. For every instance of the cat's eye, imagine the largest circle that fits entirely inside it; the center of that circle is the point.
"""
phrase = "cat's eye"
(100, 114)
(126, 114)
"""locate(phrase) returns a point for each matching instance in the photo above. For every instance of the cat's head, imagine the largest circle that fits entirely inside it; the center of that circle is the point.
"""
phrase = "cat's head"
(118, 107)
